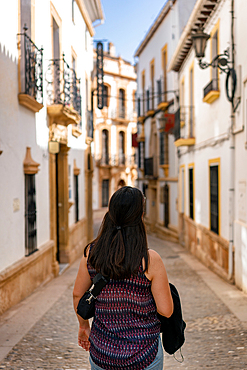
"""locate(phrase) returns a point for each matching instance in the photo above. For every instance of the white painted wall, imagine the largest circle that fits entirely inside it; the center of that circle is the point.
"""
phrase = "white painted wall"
(240, 225)
(21, 128)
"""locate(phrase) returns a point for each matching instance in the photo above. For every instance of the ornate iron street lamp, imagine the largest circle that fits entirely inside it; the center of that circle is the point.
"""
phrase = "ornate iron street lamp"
(221, 61)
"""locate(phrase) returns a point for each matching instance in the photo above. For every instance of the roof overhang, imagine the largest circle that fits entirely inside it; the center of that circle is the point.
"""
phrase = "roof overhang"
(163, 13)
(200, 15)
(91, 11)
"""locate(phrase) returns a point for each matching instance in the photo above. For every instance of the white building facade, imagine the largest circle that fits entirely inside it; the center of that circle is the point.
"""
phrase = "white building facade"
(157, 97)
(211, 141)
(114, 129)
(46, 59)
(240, 136)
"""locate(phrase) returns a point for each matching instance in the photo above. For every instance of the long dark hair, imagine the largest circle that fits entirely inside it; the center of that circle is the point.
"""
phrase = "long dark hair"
(121, 244)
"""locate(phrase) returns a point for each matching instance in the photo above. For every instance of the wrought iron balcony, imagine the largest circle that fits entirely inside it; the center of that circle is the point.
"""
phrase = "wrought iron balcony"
(211, 91)
(184, 126)
(177, 125)
(122, 114)
(103, 160)
(148, 100)
(32, 65)
(151, 167)
(161, 92)
(63, 86)
(212, 86)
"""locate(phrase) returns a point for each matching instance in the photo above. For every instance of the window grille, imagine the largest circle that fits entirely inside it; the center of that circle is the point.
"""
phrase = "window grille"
(214, 199)
(76, 198)
(105, 193)
(166, 205)
(141, 154)
(30, 215)
(164, 152)
(121, 148)
(105, 146)
(191, 190)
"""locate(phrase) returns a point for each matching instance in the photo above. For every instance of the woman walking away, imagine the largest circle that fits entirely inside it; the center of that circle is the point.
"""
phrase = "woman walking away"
(125, 332)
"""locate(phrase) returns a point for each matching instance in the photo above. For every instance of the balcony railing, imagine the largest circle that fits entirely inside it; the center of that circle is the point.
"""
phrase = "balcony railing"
(184, 125)
(212, 86)
(33, 68)
(63, 86)
(122, 113)
(177, 125)
(161, 93)
(116, 160)
(151, 167)
(148, 105)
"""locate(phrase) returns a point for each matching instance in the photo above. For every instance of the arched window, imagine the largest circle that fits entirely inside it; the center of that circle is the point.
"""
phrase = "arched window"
(121, 103)
(121, 148)
(105, 147)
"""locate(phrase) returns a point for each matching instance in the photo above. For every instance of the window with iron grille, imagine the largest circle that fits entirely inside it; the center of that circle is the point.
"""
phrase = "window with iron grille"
(105, 193)
(121, 148)
(214, 199)
(166, 205)
(121, 103)
(191, 104)
(141, 154)
(76, 183)
(215, 48)
(105, 96)
(105, 147)
(191, 192)
(164, 152)
(30, 215)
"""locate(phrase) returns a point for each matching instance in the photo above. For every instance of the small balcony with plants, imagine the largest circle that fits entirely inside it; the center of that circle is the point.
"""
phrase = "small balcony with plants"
(31, 73)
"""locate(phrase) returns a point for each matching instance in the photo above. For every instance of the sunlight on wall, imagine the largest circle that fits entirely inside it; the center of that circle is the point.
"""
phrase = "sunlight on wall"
(198, 211)
(244, 256)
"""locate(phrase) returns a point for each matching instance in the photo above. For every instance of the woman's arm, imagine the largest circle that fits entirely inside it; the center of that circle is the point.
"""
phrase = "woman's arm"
(82, 284)
(160, 285)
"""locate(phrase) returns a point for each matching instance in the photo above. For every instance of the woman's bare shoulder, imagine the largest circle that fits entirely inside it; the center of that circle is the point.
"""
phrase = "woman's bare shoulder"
(155, 261)
(154, 256)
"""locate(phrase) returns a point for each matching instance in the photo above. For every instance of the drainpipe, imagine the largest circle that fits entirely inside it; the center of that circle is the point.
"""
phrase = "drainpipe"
(232, 165)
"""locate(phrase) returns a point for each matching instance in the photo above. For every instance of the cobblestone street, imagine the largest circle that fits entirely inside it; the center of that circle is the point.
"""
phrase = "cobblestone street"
(215, 313)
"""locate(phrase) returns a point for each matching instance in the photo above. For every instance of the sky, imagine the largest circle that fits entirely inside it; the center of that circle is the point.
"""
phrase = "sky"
(126, 24)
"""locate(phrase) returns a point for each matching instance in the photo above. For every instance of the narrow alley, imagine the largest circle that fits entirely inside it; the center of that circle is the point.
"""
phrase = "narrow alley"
(41, 331)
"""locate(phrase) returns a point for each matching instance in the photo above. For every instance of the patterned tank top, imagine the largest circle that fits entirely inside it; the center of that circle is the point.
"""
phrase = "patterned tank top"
(125, 329)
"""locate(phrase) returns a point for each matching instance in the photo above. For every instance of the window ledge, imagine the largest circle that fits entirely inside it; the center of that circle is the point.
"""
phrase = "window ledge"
(29, 102)
(211, 96)
(185, 142)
